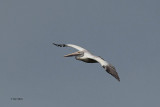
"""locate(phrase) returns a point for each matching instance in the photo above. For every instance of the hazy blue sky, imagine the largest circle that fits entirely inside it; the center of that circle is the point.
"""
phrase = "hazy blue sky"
(126, 33)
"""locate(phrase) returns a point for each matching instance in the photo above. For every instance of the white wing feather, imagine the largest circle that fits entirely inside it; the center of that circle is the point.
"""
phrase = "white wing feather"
(76, 47)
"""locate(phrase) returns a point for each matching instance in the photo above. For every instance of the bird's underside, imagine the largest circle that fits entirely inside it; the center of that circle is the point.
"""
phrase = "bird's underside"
(85, 56)
(89, 60)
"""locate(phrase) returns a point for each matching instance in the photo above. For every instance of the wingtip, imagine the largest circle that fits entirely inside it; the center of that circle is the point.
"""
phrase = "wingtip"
(111, 70)
(54, 44)
(59, 45)
(118, 79)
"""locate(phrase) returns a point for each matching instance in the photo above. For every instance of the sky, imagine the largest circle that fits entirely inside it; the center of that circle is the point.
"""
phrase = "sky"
(125, 33)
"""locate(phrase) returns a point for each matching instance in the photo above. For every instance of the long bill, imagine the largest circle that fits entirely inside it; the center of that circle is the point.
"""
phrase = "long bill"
(73, 54)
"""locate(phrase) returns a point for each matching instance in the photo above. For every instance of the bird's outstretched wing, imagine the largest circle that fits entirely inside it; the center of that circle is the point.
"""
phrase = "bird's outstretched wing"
(70, 45)
(108, 67)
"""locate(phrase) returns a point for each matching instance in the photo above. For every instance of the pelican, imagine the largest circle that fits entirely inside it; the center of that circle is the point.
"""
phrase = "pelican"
(85, 56)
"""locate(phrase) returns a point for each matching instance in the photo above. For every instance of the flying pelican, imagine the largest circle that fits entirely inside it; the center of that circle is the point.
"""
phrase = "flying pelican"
(85, 56)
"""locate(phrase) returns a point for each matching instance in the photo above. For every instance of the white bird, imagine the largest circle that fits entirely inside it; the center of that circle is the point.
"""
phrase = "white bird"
(85, 56)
